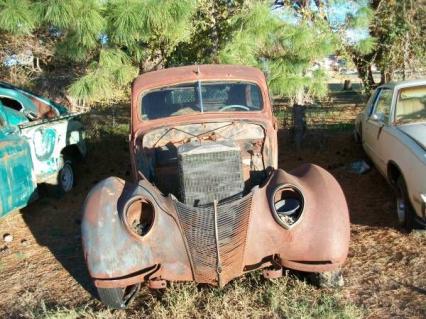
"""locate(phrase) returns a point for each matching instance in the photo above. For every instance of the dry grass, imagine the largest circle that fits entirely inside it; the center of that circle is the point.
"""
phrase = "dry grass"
(251, 297)
(45, 276)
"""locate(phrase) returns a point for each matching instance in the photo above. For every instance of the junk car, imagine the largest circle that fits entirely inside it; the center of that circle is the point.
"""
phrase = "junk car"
(207, 202)
(39, 143)
(392, 130)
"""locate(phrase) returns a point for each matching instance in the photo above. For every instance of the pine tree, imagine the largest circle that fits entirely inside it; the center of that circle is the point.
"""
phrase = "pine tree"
(286, 49)
(113, 40)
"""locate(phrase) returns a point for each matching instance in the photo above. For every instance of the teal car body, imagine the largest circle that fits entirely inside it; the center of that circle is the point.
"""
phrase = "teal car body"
(18, 186)
(36, 135)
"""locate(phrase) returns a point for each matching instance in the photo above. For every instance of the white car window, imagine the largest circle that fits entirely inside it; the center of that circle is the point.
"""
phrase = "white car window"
(411, 105)
(383, 104)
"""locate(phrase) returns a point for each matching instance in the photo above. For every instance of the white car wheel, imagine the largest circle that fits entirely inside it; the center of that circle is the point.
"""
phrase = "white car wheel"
(66, 177)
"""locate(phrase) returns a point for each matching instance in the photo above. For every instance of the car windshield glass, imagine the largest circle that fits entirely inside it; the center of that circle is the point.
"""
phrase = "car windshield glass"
(411, 106)
(200, 97)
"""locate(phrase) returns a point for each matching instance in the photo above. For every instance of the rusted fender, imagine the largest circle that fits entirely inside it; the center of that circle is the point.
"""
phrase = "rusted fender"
(113, 254)
(320, 241)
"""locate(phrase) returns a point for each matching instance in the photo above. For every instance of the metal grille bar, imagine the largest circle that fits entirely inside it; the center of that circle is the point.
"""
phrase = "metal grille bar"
(211, 251)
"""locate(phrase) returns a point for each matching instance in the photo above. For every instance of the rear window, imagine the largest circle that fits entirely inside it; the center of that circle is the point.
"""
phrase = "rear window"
(201, 97)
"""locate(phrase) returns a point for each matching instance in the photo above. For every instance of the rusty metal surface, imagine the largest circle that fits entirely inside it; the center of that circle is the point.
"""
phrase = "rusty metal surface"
(319, 242)
(272, 273)
(117, 258)
(113, 252)
(157, 284)
(216, 237)
(156, 151)
(221, 241)
(187, 74)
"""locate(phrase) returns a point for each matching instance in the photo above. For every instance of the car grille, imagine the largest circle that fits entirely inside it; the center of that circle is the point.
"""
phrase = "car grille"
(209, 171)
(216, 256)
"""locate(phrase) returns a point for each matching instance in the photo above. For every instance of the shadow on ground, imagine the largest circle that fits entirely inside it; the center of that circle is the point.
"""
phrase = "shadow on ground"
(55, 223)
(370, 198)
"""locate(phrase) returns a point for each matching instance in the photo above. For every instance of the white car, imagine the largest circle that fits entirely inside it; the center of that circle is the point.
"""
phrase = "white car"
(392, 129)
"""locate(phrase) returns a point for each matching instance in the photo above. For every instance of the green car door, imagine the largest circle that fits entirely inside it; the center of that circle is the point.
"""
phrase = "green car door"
(17, 186)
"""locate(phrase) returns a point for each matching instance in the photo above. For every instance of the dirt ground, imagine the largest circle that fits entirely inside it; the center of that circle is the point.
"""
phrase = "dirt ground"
(385, 272)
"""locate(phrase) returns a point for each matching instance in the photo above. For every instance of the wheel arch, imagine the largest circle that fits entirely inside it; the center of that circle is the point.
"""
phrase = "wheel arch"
(72, 151)
(393, 172)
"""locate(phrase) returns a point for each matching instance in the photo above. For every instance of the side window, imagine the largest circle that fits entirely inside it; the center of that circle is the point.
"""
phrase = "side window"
(383, 104)
(12, 103)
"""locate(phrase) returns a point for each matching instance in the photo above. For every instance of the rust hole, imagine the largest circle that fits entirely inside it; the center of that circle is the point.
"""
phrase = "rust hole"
(140, 216)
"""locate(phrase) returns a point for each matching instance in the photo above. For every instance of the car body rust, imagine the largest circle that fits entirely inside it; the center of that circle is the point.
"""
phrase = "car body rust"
(219, 241)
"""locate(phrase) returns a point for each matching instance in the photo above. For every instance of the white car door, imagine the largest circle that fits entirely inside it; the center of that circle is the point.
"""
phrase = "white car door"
(374, 126)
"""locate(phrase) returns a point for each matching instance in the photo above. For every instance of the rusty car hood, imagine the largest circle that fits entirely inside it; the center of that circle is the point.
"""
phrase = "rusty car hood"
(417, 132)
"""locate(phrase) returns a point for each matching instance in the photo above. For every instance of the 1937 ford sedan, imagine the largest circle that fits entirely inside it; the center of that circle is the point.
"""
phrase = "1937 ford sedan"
(207, 202)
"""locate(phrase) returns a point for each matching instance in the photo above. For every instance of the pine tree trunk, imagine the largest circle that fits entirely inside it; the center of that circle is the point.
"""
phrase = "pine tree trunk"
(364, 72)
(299, 125)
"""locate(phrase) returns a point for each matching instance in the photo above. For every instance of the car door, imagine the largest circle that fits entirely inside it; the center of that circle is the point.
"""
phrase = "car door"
(17, 185)
(375, 125)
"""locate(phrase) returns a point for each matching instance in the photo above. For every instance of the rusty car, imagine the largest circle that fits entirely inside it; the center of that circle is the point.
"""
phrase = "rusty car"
(39, 143)
(392, 130)
(207, 201)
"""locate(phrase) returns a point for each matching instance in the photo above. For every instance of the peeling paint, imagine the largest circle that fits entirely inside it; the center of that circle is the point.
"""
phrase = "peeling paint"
(218, 241)
(33, 134)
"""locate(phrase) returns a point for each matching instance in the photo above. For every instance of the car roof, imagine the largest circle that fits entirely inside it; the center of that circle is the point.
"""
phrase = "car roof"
(403, 84)
(193, 73)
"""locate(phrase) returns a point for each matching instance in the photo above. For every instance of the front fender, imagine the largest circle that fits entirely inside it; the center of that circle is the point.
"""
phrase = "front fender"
(113, 254)
(320, 241)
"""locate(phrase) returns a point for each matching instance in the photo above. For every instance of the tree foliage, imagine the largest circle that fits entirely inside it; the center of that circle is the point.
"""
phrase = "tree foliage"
(395, 40)
(16, 16)
(400, 29)
(285, 46)
(109, 37)
(212, 27)
(110, 41)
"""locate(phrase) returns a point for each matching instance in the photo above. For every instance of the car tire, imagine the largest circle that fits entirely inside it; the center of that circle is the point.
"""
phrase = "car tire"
(327, 279)
(404, 210)
(117, 298)
(65, 178)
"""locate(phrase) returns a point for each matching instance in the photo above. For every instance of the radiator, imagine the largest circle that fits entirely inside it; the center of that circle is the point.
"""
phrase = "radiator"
(209, 171)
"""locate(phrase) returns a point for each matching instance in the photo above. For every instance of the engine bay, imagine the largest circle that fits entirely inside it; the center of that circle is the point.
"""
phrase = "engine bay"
(202, 162)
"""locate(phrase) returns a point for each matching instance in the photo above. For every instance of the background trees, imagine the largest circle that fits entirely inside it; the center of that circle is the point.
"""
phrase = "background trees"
(99, 46)
(109, 42)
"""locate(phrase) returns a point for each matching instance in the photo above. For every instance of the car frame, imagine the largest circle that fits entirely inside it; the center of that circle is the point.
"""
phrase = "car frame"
(219, 241)
(397, 150)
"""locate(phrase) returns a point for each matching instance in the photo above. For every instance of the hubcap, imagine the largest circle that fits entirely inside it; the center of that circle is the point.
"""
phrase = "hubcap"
(67, 177)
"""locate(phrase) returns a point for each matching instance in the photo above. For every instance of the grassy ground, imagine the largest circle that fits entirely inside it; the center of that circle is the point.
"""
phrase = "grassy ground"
(42, 272)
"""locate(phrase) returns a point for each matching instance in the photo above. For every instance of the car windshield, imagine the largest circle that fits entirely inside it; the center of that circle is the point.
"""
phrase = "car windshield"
(201, 97)
(411, 106)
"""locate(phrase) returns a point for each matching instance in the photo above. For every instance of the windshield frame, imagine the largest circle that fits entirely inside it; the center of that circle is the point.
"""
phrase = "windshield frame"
(198, 82)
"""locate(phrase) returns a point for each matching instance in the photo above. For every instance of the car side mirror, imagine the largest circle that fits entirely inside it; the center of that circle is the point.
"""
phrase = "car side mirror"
(378, 117)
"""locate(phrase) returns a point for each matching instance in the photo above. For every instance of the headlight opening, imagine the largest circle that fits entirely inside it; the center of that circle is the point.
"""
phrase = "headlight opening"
(287, 205)
(139, 216)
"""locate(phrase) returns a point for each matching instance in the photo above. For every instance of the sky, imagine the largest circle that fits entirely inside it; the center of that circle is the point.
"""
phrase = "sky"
(337, 14)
